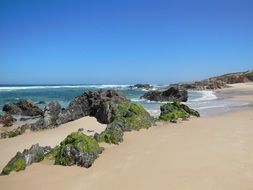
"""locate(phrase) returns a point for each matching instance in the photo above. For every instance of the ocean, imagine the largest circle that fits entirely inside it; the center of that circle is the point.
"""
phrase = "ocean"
(206, 102)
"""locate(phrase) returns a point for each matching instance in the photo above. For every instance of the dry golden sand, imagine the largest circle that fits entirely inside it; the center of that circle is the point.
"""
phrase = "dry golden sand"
(214, 153)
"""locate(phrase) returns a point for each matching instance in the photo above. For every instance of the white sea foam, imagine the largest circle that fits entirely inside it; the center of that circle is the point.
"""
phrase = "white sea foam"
(210, 107)
(154, 112)
(15, 88)
(205, 96)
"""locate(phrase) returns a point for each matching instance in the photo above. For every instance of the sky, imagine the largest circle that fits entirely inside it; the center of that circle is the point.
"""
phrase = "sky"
(123, 42)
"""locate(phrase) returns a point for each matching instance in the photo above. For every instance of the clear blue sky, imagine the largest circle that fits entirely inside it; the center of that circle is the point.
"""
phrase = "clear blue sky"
(50, 41)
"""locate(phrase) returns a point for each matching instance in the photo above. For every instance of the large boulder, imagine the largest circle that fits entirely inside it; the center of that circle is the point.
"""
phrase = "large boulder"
(21, 160)
(77, 149)
(173, 111)
(96, 104)
(172, 94)
(22, 107)
(7, 120)
(132, 116)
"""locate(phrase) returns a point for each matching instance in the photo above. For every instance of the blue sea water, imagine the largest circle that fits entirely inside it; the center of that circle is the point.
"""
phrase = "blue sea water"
(205, 102)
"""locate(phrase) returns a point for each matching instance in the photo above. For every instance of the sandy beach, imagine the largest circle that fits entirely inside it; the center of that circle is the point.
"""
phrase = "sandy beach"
(211, 153)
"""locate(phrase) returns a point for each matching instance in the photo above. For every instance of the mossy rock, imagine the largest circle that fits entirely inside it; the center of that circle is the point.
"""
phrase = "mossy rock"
(17, 163)
(29, 156)
(173, 111)
(112, 135)
(133, 116)
(77, 148)
(14, 132)
(52, 154)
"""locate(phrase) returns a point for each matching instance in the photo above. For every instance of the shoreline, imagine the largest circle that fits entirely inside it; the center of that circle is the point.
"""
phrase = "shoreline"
(214, 152)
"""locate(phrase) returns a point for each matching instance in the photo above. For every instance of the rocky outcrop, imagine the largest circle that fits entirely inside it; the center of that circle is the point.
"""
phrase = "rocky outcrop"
(173, 111)
(232, 78)
(7, 120)
(15, 132)
(143, 86)
(107, 107)
(22, 107)
(21, 160)
(77, 149)
(96, 104)
(219, 82)
(204, 85)
(172, 94)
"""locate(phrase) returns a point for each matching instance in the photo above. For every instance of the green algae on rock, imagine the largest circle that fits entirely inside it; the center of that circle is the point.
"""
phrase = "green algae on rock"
(132, 116)
(17, 163)
(125, 116)
(78, 148)
(21, 160)
(173, 111)
(112, 135)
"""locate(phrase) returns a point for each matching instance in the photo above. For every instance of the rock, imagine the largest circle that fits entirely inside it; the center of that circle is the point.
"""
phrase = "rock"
(50, 117)
(103, 112)
(219, 82)
(104, 106)
(21, 160)
(143, 86)
(15, 132)
(131, 116)
(51, 113)
(78, 149)
(173, 111)
(7, 120)
(112, 135)
(80, 129)
(96, 104)
(22, 107)
(66, 115)
(172, 94)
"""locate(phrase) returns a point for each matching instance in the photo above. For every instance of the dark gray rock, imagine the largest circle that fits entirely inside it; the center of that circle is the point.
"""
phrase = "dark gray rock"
(51, 113)
(7, 120)
(96, 104)
(50, 117)
(22, 107)
(143, 86)
(172, 94)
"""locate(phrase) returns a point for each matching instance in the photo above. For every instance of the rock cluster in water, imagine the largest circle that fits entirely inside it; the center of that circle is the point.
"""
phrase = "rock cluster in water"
(142, 86)
(22, 107)
(172, 94)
